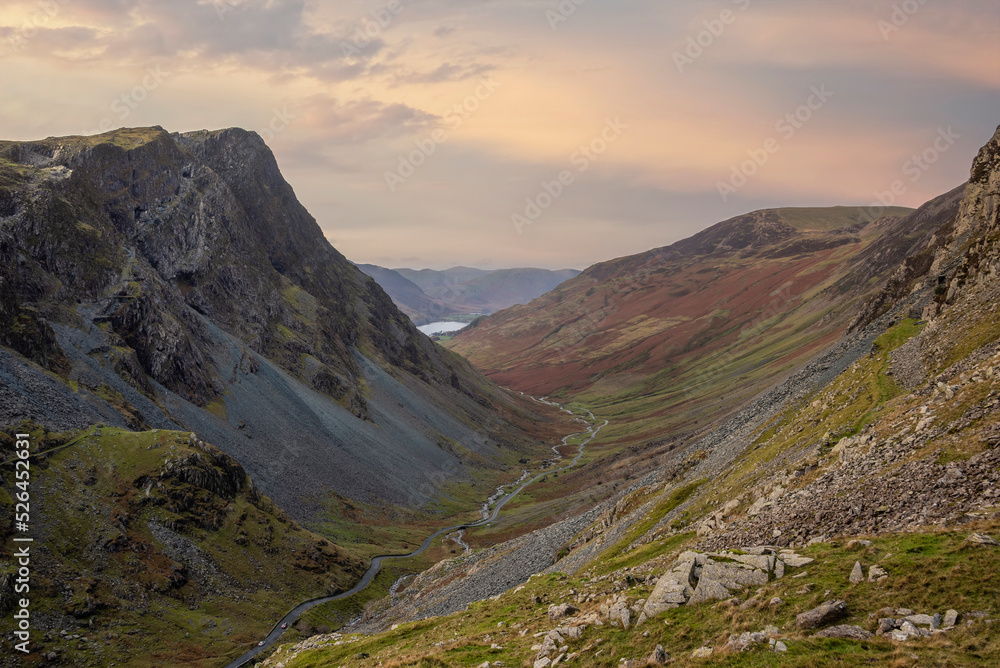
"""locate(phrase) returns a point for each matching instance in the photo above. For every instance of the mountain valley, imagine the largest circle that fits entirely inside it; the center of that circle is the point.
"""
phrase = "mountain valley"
(790, 454)
(846, 515)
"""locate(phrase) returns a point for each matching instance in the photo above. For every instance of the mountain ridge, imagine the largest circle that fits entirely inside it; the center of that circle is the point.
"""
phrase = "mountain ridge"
(427, 295)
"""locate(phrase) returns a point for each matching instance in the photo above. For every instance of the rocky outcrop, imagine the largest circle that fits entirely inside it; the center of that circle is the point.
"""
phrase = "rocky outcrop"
(174, 281)
(697, 577)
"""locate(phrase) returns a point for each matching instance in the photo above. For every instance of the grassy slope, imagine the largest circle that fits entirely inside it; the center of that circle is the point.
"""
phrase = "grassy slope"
(930, 570)
(102, 565)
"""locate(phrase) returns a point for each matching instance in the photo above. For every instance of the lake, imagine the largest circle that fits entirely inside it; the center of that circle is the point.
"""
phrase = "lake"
(436, 327)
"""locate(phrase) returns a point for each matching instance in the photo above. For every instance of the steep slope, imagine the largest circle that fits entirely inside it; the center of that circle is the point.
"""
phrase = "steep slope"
(174, 281)
(672, 339)
(845, 518)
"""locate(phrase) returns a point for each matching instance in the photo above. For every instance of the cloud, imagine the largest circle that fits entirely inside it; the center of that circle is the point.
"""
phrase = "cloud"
(362, 92)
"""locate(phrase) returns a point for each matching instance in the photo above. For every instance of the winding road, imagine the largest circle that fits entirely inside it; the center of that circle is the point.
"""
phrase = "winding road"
(488, 516)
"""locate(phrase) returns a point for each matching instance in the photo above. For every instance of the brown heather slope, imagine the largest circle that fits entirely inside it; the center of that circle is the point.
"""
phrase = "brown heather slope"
(669, 341)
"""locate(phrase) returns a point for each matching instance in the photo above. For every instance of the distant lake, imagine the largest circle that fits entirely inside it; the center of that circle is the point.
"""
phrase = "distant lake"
(436, 327)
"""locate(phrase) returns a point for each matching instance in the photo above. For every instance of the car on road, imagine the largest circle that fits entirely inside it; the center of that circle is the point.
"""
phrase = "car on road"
(260, 644)
(284, 626)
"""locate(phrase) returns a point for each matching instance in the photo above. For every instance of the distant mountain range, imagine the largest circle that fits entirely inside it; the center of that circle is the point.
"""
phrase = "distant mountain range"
(426, 295)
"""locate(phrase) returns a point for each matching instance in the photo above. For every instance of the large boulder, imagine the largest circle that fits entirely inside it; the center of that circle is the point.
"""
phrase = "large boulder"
(845, 631)
(822, 615)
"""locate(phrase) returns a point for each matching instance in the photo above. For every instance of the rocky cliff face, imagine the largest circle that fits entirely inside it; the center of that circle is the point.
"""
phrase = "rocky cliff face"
(174, 280)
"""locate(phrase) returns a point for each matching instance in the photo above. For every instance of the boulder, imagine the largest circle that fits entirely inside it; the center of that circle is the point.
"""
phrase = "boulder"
(794, 560)
(921, 620)
(702, 653)
(845, 631)
(734, 575)
(981, 539)
(877, 574)
(562, 610)
(822, 615)
(857, 573)
(950, 618)
(746, 641)
(708, 590)
(659, 657)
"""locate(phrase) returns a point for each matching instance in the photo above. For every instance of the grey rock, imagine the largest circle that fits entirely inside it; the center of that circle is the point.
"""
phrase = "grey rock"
(734, 575)
(857, 573)
(845, 631)
(557, 612)
(886, 624)
(794, 560)
(950, 618)
(920, 620)
(659, 656)
(824, 614)
(981, 539)
(746, 641)
(708, 590)
(702, 653)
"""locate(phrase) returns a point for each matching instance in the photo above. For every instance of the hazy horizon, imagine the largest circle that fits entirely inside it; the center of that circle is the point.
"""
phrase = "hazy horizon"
(530, 133)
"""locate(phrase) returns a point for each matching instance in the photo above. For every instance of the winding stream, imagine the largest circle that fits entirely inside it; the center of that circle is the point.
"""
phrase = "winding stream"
(497, 501)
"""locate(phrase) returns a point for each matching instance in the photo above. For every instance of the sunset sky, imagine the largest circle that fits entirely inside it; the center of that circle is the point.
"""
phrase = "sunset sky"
(417, 131)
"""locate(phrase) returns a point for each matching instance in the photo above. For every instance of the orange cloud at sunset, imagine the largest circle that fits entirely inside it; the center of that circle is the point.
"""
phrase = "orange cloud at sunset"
(511, 100)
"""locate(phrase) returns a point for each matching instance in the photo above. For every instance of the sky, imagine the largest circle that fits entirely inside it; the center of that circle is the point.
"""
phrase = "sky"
(546, 133)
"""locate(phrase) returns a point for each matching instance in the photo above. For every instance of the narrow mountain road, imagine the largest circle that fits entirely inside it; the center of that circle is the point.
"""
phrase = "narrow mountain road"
(490, 513)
